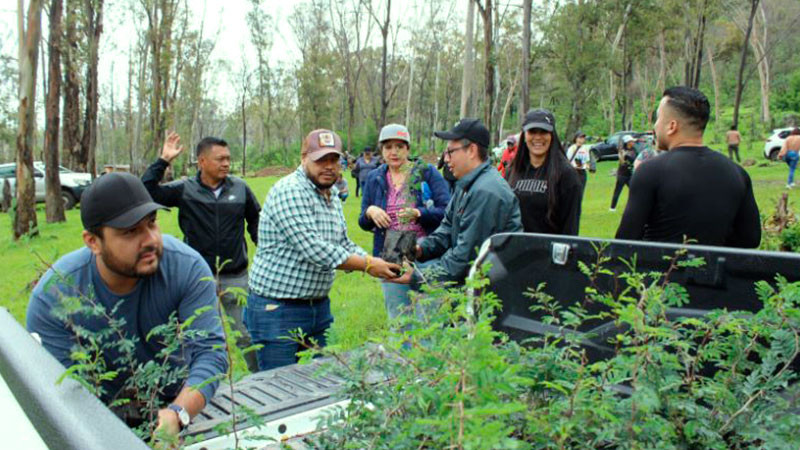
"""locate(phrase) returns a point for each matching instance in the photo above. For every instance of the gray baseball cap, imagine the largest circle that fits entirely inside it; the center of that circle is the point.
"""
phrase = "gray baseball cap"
(395, 131)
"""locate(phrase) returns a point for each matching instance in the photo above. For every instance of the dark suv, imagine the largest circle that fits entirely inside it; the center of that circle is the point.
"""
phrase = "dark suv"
(608, 149)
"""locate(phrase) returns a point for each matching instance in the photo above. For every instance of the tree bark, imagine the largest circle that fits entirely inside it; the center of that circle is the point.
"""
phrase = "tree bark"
(488, 63)
(525, 89)
(469, 61)
(71, 133)
(714, 80)
(25, 217)
(54, 206)
(758, 40)
(94, 20)
(740, 75)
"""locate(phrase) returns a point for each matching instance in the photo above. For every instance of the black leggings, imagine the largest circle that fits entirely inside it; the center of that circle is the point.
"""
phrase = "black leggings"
(621, 181)
(733, 149)
(358, 186)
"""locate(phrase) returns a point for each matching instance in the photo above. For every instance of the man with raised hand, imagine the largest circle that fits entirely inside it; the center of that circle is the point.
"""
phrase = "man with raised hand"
(212, 209)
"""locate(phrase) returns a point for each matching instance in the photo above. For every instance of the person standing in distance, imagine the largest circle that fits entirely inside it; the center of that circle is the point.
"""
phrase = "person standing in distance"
(733, 138)
(627, 156)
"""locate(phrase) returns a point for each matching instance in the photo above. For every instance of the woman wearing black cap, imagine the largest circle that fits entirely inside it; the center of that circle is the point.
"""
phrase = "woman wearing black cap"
(548, 188)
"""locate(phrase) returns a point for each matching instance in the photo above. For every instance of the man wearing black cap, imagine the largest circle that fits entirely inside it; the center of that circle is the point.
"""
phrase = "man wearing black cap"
(138, 278)
(482, 204)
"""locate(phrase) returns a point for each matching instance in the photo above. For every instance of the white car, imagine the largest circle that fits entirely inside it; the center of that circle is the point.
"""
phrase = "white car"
(775, 142)
(72, 183)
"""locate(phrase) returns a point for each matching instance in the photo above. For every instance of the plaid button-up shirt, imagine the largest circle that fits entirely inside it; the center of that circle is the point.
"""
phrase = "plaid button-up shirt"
(302, 238)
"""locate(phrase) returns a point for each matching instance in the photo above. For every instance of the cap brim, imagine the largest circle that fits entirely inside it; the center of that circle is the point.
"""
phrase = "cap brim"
(133, 216)
(447, 135)
(540, 125)
(317, 155)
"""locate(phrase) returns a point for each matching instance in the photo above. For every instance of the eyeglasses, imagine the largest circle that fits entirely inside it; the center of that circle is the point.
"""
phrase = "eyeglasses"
(449, 151)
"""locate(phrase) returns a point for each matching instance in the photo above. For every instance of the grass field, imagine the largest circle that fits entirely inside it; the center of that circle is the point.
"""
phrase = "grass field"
(357, 299)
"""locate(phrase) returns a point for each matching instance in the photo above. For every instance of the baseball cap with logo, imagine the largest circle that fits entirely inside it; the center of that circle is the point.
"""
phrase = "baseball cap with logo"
(395, 131)
(538, 118)
(471, 129)
(319, 143)
(116, 200)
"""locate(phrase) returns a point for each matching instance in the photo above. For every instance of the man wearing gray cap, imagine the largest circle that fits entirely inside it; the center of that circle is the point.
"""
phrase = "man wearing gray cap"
(139, 279)
(302, 240)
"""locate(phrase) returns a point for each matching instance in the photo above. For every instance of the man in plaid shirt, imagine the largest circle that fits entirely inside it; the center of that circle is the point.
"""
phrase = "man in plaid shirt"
(302, 240)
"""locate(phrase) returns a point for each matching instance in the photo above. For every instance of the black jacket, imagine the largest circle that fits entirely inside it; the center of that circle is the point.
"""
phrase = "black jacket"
(212, 226)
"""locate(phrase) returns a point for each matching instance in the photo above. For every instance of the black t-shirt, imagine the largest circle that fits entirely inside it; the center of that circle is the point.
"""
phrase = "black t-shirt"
(532, 191)
(625, 168)
(692, 191)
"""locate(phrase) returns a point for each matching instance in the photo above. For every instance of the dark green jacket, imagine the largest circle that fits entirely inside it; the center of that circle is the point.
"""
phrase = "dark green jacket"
(482, 205)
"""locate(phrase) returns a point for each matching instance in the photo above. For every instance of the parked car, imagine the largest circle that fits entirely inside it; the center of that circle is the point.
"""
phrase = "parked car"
(72, 183)
(775, 142)
(607, 149)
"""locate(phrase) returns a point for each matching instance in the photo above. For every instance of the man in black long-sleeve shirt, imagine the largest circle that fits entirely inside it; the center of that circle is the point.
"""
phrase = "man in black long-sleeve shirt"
(212, 209)
(690, 191)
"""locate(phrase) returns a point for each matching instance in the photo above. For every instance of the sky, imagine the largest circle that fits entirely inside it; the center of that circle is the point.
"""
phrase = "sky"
(223, 18)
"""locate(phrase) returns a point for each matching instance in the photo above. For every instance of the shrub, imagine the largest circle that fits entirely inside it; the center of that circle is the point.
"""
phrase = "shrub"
(451, 381)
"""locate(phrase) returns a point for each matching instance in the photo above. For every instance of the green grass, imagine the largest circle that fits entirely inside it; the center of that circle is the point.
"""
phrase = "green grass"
(356, 299)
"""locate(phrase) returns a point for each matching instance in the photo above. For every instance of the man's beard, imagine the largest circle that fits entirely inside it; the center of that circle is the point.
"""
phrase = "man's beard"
(322, 186)
(119, 267)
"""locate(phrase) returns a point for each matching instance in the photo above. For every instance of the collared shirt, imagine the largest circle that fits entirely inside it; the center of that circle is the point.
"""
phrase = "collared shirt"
(302, 238)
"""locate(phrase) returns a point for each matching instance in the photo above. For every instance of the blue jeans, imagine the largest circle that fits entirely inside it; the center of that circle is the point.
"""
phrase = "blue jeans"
(232, 308)
(396, 298)
(791, 159)
(270, 322)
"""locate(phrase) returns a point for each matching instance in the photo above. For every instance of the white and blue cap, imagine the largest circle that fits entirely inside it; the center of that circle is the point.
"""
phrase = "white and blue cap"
(395, 131)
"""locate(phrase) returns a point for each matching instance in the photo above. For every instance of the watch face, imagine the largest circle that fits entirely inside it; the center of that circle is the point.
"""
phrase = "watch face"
(184, 417)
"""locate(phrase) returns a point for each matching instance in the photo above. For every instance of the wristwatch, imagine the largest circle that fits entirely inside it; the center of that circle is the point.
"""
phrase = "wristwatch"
(183, 415)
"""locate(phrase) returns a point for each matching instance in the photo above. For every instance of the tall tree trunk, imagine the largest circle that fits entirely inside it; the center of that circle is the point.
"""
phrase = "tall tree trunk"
(54, 206)
(612, 91)
(507, 105)
(244, 133)
(662, 62)
(758, 41)
(740, 75)
(25, 216)
(71, 133)
(488, 64)
(129, 126)
(469, 60)
(384, 74)
(409, 92)
(435, 121)
(94, 20)
(698, 46)
(715, 81)
(525, 91)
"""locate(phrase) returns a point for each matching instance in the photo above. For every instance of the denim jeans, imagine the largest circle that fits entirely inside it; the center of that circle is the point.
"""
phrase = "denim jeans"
(396, 298)
(270, 322)
(232, 308)
(791, 159)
